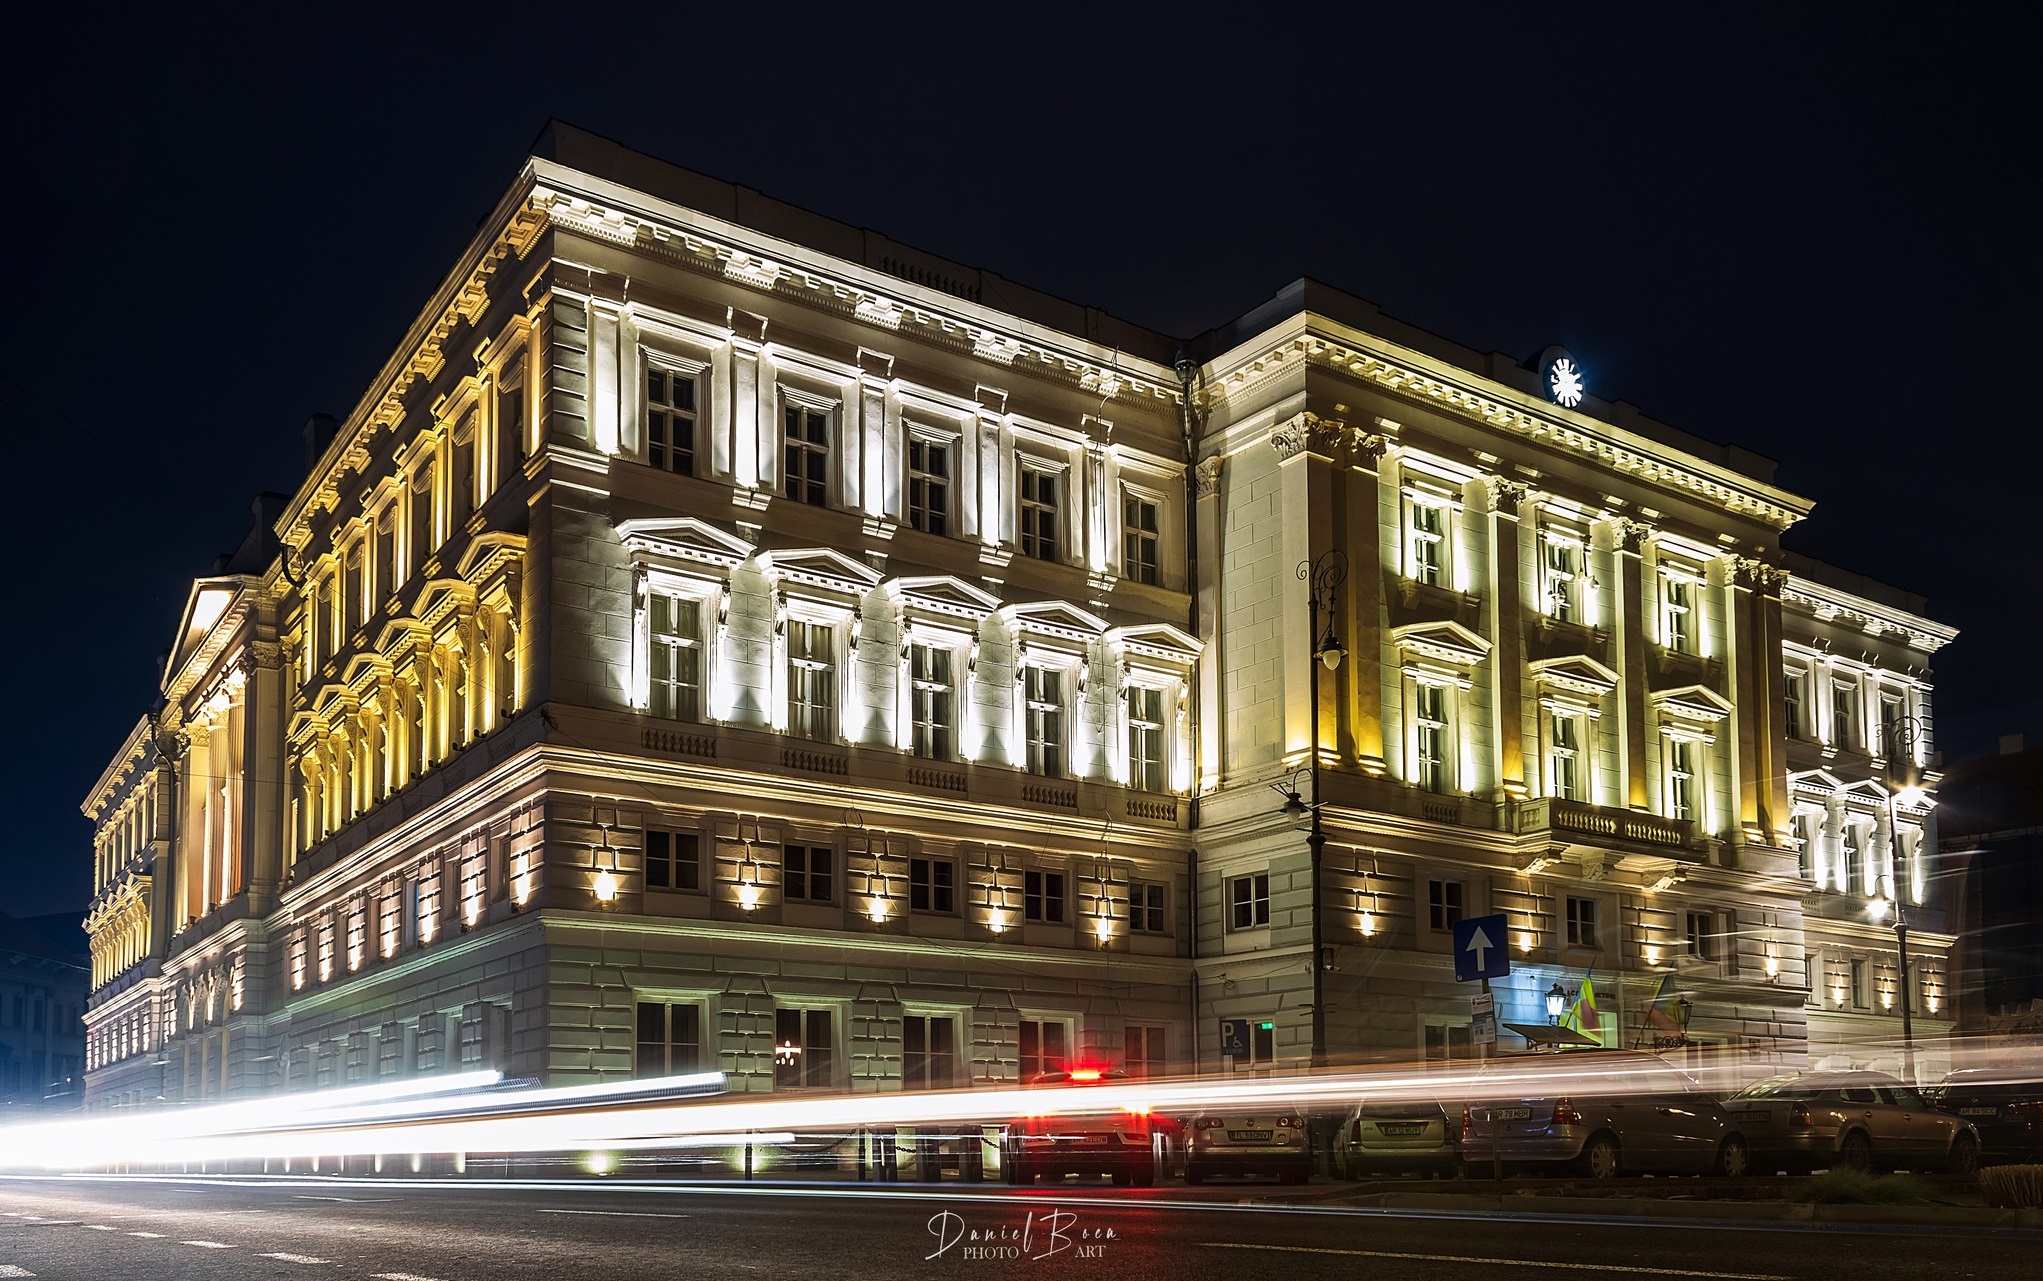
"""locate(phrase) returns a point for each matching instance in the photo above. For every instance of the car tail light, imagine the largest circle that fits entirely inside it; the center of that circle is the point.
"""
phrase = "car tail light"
(1355, 1131)
(1799, 1115)
(1137, 1109)
(1085, 1074)
(1565, 1113)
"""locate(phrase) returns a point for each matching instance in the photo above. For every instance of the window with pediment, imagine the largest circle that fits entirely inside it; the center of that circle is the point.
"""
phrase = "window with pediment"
(670, 419)
(806, 445)
(1039, 510)
(931, 481)
(1564, 576)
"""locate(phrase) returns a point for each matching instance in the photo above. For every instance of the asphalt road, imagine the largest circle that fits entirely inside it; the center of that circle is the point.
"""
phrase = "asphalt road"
(97, 1229)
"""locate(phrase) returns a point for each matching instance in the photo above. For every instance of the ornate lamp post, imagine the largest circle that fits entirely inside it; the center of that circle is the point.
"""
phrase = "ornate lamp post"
(1323, 577)
(1900, 736)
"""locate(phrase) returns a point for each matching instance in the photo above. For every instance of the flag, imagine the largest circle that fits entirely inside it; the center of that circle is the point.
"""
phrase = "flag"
(1582, 1015)
(1658, 1019)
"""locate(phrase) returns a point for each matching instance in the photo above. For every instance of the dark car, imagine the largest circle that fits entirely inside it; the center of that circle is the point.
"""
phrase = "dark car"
(2004, 1104)
(1067, 1137)
(1598, 1112)
(1804, 1121)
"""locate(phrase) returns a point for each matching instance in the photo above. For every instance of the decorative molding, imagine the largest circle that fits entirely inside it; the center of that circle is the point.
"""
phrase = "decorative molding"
(1206, 477)
(1309, 431)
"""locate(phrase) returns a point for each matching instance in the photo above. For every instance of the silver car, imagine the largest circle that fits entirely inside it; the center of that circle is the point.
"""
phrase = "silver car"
(1391, 1138)
(1272, 1142)
(1815, 1120)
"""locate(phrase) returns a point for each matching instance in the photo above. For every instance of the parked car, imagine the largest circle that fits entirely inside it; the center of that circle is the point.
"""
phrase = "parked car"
(1391, 1138)
(1814, 1120)
(2004, 1104)
(1063, 1140)
(1272, 1141)
(1606, 1111)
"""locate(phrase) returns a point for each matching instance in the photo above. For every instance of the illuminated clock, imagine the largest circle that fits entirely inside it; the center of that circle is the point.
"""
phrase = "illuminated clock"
(1564, 381)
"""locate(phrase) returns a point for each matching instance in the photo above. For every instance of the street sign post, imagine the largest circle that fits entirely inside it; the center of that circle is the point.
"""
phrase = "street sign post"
(1483, 1021)
(1234, 1038)
(1480, 948)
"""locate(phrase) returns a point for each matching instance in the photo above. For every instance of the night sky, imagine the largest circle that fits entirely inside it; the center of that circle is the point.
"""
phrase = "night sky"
(1813, 234)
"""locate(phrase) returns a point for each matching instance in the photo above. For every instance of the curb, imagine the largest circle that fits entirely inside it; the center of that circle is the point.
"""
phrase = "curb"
(1955, 1216)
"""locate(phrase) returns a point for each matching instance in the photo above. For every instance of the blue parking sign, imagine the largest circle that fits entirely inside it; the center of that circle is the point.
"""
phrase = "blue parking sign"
(1234, 1037)
(1481, 948)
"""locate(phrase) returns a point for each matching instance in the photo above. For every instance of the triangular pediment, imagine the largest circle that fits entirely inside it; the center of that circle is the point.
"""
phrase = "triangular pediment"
(1054, 618)
(1693, 702)
(819, 567)
(209, 612)
(1576, 672)
(1444, 641)
(440, 598)
(1865, 789)
(489, 552)
(1158, 640)
(684, 538)
(1816, 780)
(943, 594)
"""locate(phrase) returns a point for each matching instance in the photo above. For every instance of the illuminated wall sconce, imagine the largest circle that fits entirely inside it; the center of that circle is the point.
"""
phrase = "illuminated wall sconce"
(1525, 942)
(427, 927)
(1103, 929)
(1365, 911)
(1652, 953)
(606, 887)
(997, 921)
(877, 912)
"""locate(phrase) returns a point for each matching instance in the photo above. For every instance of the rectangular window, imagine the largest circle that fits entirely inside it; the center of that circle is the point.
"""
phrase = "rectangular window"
(1854, 859)
(1148, 768)
(929, 1052)
(1564, 579)
(1045, 1046)
(929, 485)
(670, 421)
(806, 476)
(1567, 756)
(1791, 713)
(674, 687)
(461, 479)
(932, 885)
(805, 873)
(1798, 832)
(1702, 936)
(1446, 902)
(669, 1038)
(1138, 539)
(1142, 1051)
(386, 554)
(1429, 736)
(812, 680)
(1248, 901)
(1861, 995)
(673, 860)
(933, 701)
(804, 1050)
(419, 528)
(1844, 719)
(1582, 923)
(1148, 907)
(1037, 514)
(1043, 690)
(1891, 714)
(1043, 897)
(1677, 614)
(1426, 542)
(1681, 779)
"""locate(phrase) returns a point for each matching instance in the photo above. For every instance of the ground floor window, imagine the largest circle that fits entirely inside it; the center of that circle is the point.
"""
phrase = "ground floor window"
(1045, 1046)
(804, 1049)
(669, 1038)
(929, 1052)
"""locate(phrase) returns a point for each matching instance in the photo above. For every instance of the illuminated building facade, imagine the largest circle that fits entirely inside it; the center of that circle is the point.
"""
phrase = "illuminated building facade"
(725, 638)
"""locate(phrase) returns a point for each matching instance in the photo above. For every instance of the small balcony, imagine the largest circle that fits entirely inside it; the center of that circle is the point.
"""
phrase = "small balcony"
(1629, 834)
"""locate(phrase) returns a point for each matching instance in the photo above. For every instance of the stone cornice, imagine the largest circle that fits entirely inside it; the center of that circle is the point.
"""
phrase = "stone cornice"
(604, 210)
(1427, 380)
(140, 745)
(1829, 604)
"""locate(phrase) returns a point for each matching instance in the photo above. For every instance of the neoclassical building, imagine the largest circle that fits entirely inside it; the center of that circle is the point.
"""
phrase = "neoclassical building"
(722, 637)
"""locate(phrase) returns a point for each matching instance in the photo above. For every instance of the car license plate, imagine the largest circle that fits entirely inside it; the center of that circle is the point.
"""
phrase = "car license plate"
(1251, 1136)
(1512, 1114)
(1978, 1111)
(1093, 1140)
(1401, 1129)
(1755, 1118)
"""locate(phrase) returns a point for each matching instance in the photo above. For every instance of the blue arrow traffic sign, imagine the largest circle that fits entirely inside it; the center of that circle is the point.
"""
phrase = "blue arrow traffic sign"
(1481, 948)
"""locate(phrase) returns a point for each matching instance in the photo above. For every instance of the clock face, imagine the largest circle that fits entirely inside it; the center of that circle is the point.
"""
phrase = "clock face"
(1564, 382)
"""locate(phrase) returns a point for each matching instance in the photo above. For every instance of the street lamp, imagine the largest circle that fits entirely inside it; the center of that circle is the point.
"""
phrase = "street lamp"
(1900, 735)
(1323, 577)
(1556, 1003)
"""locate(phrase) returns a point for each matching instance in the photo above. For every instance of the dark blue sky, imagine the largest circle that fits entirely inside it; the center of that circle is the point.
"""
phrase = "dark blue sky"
(1809, 232)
